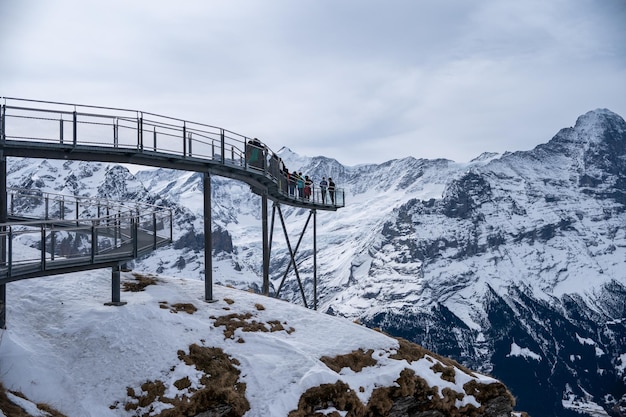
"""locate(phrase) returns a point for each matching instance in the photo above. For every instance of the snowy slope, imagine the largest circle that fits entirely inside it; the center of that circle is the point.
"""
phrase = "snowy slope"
(66, 349)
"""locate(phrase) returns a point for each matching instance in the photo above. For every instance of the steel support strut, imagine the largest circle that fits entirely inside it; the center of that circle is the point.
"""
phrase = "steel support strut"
(115, 287)
(266, 246)
(208, 240)
(292, 254)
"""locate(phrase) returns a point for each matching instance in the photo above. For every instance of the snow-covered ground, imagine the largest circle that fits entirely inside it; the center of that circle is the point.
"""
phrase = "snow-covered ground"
(64, 347)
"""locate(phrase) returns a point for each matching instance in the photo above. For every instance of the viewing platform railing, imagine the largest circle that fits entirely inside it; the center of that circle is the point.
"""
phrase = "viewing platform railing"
(132, 132)
(58, 231)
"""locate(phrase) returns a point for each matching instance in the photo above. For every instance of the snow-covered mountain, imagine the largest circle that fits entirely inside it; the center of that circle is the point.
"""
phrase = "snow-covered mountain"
(512, 264)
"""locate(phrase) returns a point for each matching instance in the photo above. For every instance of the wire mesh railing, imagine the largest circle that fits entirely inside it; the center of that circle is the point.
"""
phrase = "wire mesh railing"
(90, 231)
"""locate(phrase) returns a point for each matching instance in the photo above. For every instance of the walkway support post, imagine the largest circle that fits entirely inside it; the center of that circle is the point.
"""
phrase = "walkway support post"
(115, 287)
(3, 239)
(314, 259)
(208, 240)
(266, 248)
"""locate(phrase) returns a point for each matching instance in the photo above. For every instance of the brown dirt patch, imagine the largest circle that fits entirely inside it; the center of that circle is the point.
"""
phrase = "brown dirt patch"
(221, 392)
(13, 410)
(235, 321)
(355, 360)
(140, 283)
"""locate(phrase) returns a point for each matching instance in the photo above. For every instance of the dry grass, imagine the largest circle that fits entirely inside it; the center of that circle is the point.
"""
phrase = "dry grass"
(447, 372)
(410, 395)
(355, 360)
(140, 283)
(338, 395)
(175, 308)
(12, 410)
(413, 352)
(220, 393)
(235, 321)
(229, 301)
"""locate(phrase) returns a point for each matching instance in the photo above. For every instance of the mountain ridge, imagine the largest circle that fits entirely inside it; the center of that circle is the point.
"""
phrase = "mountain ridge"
(511, 264)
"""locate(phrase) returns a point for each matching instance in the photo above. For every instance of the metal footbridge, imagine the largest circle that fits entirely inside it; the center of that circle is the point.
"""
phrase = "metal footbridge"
(59, 234)
(53, 130)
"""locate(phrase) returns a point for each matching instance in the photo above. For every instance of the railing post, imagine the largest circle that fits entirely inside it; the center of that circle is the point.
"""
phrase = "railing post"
(47, 205)
(43, 247)
(52, 243)
(184, 139)
(3, 112)
(190, 140)
(94, 241)
(61, 130)
(154, 139)
(140, 131)
(74, 128)
(116, 133)
(223, 145)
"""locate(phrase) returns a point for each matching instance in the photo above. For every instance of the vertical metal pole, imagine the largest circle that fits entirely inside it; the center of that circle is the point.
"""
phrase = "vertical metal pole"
(3, 240)
(74, 128)
(314, 259)
(266, 250)
(61, 130)
(140, 132)
(3, 112)
(190, 141)
(184, 139)
(208, 240)
(52, 243)
(223, 145)
(115, 287)
(115, 284)
(154, 138)
(154, 229)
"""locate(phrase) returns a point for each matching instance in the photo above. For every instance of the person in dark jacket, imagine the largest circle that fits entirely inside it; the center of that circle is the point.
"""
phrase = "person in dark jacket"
(300, 185)
(323, 187)
(331, 190)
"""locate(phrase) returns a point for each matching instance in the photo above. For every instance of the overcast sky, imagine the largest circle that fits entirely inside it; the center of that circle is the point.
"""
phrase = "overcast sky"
(357, 80)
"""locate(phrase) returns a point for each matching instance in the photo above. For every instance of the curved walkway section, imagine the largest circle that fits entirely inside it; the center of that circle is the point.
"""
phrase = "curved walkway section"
(42, 129)
(53, 234)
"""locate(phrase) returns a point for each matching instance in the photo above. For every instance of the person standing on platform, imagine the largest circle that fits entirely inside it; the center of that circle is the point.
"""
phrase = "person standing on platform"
(323, 187)
(308, 183)
(331, 190)
(300, 184)
(293, 176)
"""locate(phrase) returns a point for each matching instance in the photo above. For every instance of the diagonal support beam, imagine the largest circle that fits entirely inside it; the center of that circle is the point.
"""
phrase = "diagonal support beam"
(292, 254)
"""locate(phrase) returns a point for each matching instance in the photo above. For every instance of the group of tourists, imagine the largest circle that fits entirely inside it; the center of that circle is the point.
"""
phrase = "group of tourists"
(302, 186)
(294, 183)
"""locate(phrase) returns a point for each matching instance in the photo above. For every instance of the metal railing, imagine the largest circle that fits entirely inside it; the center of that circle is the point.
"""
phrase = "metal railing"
(81, 235)
(71, 125)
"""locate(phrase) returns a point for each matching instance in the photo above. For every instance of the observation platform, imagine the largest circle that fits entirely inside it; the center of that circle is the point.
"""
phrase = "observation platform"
(65, 131)
(51, 130)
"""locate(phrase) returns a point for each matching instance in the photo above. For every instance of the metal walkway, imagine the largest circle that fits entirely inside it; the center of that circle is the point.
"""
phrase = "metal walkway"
(53, 130)
(60, 234)
(40, 129)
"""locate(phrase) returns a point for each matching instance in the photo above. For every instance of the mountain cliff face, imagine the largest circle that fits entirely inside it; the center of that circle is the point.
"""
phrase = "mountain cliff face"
(514, 265)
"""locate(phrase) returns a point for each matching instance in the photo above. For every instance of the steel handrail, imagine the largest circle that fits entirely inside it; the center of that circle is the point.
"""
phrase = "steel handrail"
(167, 127)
